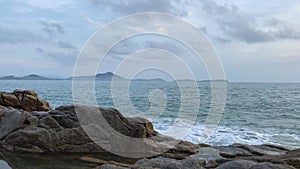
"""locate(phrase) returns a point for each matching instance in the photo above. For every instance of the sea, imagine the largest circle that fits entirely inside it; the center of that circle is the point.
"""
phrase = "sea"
(254, 113)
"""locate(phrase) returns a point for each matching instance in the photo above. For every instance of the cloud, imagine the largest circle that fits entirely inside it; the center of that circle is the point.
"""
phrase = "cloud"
(223, 40)
(23, 10)
(133, 44)
(63, 58)
(167, 44)
(295, 59)
(60, 57)
(40, 51)
(65, 45)
(248, 28)
(51, 27)
(47, 4)
(126, 7)
(97, 23)
(19, 36)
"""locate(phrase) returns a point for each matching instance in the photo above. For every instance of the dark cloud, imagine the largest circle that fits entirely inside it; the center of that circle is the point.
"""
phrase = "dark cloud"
(65, 45)
(126, 7)
(19, 36)
(223, 40)
(237, 25)
(52, 27)
(40, 51)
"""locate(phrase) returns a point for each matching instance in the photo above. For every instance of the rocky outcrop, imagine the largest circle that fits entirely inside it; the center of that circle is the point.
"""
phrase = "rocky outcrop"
(59, 130)
(24, 99)
(288, 160)
(28, 125)
(11, 120)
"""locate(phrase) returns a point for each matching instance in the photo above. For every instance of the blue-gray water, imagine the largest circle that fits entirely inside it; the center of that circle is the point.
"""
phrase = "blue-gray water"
(255, 113)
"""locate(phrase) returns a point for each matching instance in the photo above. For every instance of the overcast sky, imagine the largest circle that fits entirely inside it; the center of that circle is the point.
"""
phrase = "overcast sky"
(255, 40)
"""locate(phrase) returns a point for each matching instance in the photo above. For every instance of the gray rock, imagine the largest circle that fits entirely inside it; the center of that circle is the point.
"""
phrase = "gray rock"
(166, 163)
(208, 154)
(33, 140)
(19, 160)
(270, 166)
(48, 122)
(233, 151)
(39, 114)
(110, 166)
(192, 163)
(238, 164)
(146, 123)
(2, 108)
(65, 116)
(10, 121)
(30, 120)
(277, 147)
(59, 130)
(211, 164)
(157, 163)
(293, 161)
(262, 150)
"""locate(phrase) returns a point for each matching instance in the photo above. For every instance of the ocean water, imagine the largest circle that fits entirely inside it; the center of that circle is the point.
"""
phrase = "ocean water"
(255, 113)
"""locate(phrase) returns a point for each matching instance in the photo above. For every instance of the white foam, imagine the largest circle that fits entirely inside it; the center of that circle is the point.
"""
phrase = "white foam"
(224, 135)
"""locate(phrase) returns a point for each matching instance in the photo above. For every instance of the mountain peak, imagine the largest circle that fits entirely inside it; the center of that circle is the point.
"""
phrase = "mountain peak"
(33, 75)
(105, 74)
(108, 73)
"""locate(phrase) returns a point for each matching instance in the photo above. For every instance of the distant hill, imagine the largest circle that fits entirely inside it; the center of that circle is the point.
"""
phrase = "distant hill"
(29, 77)
(101, 77)
(202, 81)
(156, 79)
(109, 76)
(218, 80)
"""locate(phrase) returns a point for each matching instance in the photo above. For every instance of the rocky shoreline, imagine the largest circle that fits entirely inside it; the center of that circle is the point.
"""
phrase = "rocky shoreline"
(29, 125)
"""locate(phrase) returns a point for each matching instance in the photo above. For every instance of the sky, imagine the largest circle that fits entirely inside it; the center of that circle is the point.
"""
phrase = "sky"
(257, 41)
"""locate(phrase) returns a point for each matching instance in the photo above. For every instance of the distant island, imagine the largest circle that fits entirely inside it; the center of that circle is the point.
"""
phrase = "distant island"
(29, 77)
(103, 77)
(108, 76)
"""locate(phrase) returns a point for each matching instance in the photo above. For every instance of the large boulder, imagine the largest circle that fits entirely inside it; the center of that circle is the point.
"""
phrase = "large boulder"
(267, 165)
(166, 163)
(240, 164)
(10, 121)
(24, 99)
(239, 150)
(59, 130)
